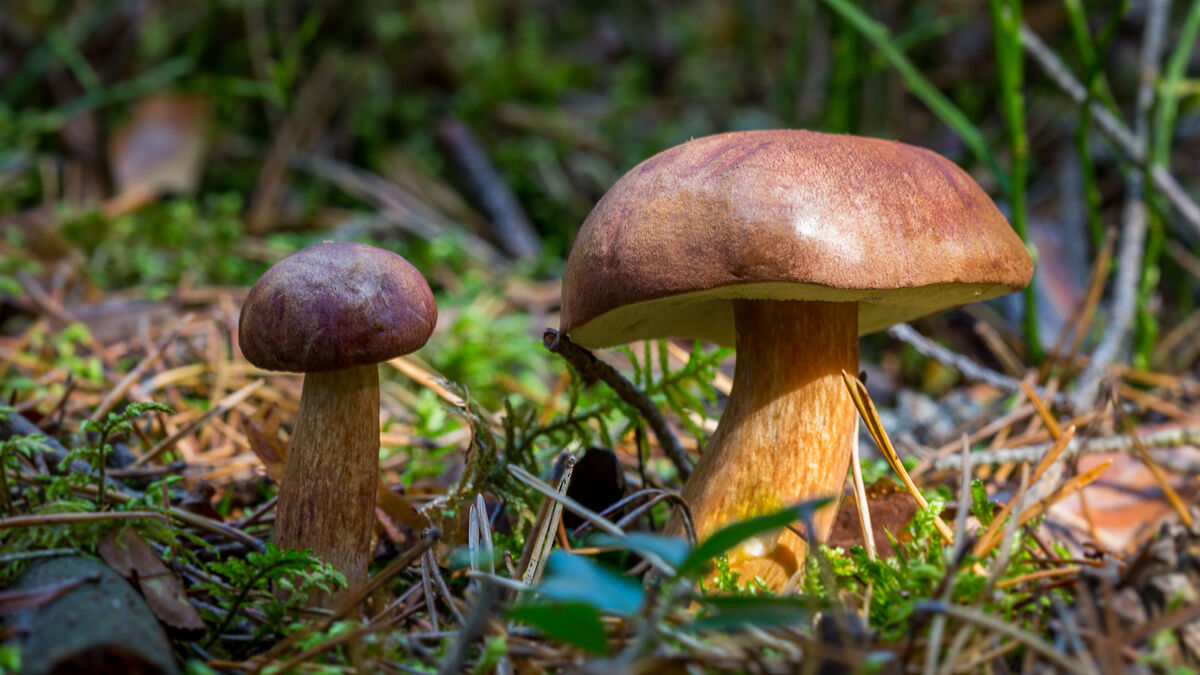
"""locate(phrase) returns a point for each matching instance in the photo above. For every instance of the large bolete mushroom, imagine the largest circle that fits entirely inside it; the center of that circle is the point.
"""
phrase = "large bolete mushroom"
(789, 245)
(334, 311)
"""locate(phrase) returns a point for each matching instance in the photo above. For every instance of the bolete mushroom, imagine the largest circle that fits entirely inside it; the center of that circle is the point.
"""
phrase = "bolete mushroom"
(334, 311)
(789, 245)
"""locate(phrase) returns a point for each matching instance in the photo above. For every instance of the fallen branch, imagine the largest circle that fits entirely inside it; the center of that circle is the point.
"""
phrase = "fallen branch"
(968, 368)
(1112, 127)
(591, 369)
(1172, 438)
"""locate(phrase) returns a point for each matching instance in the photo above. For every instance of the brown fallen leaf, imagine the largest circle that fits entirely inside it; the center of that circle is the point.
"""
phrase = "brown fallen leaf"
(891, 510)
(159, 150)
(199, 500)
(262, 431)
(399, 509)
(1126, 504)
(131, 557)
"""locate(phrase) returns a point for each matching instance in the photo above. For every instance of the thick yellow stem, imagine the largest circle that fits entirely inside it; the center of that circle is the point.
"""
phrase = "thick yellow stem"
(786, 432)
(327, 499)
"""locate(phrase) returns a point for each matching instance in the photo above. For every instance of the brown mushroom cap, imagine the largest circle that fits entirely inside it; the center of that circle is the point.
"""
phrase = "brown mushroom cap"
(334, 306)
(784, 215)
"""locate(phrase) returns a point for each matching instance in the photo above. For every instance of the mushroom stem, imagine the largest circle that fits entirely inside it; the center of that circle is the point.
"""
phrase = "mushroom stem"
(327, 499)
(787, 429)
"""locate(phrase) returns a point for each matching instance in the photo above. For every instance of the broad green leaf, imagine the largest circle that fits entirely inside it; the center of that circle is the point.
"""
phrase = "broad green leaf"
(672, 550)
(574, 623)
(572, 578)
(731, 535)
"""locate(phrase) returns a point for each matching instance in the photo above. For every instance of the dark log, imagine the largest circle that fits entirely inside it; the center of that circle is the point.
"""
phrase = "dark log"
(100, 626)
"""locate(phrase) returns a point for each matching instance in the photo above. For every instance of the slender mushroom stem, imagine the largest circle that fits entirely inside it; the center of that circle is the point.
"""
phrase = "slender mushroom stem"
(327, 499)
(787, 430)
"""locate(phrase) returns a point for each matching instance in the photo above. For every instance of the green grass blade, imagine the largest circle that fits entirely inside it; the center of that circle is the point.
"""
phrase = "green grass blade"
(1006, 23)
(1168, 102)
(919, 86)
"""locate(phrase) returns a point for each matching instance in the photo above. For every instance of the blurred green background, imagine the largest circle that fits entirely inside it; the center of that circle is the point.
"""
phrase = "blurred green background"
(284, 123)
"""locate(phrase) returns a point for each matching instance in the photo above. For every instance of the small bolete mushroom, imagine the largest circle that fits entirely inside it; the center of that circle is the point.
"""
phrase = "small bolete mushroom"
(789, 245)
(334, 311)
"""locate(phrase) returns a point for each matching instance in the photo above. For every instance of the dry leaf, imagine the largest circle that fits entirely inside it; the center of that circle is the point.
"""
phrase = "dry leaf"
(131, 557)
(891, 510)
(399, 509)
(159, 150)
(1125, 503)
(262, 431)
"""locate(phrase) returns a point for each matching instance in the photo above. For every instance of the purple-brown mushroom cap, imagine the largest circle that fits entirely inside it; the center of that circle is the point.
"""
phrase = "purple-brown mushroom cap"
(334, 306)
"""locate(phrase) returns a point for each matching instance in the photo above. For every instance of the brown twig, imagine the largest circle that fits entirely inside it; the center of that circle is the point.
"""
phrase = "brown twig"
(86, 517)
(137, 372)
(591, 369)
(968, 368)
(226, 404)
(1112, 127)
(1170, 438)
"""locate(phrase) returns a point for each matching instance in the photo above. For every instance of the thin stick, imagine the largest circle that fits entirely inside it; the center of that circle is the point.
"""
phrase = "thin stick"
(418, 375)
(1042, 410)
(1000, 425)
(983, 544)
(1112, 127)
(585, 513)
(1069, 488)
(86, 517)
(1040, 574)
(226, 404)
(997, 625)
(591, 369)
(938, 625)
(137, 372)
(545, 525)
(1139, 449)
(860, 496)
(968, 368)
(1094, 292)
(1170, 438)
(427, 586)
(1060, 444)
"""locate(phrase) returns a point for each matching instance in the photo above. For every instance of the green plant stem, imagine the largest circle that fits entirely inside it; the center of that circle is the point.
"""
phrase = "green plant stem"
(101, 462)
(241, 599)
(4, 481)
(1166, 113)
(1146, 325)
(1168, 104)
(1093, 81)
(1006, 21)
(840, 112)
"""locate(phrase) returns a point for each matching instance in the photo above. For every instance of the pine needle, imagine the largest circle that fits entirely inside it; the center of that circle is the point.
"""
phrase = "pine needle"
(866, 409)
